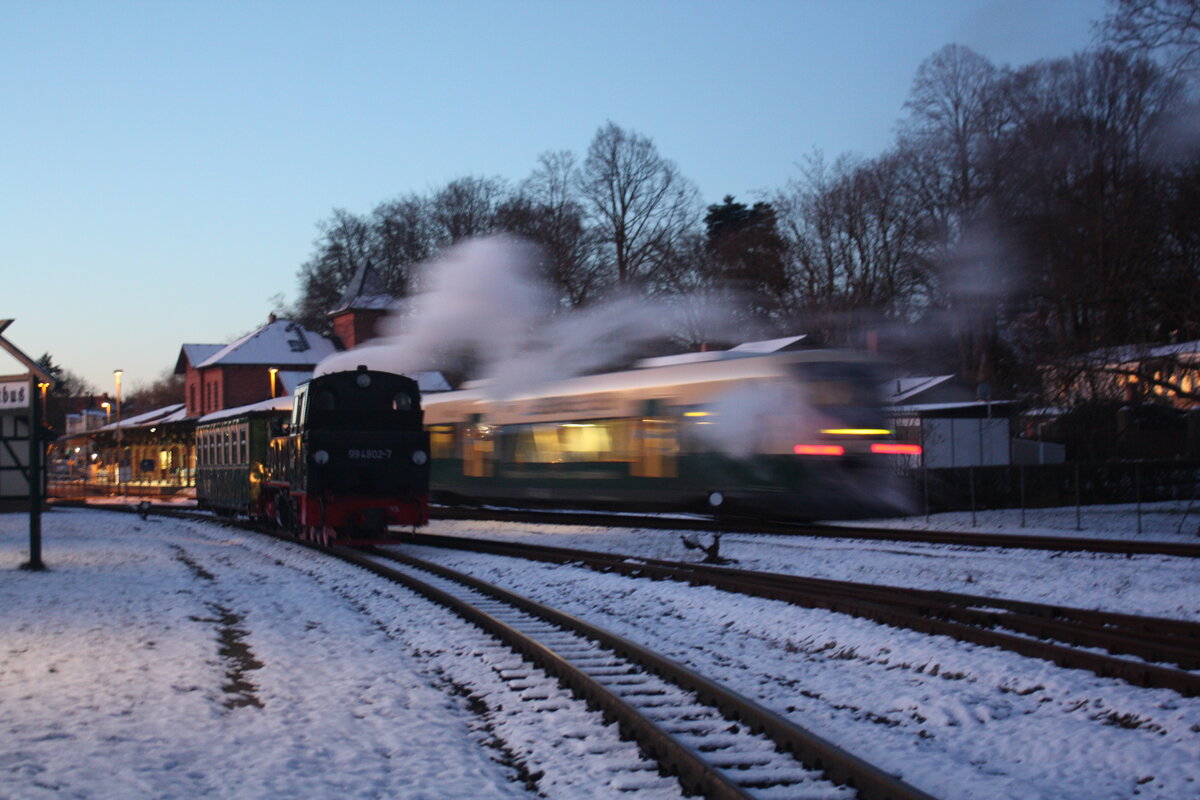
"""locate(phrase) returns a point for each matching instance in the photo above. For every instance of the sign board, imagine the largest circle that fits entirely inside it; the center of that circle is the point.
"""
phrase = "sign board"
(14, 451)
(14, 395)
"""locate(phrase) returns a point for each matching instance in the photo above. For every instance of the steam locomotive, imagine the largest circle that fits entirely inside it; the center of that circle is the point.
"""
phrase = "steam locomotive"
(349, 462)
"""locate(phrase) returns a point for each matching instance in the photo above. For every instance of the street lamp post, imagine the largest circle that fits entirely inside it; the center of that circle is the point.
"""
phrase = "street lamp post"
(107, 406)
(273, 371)
(120, 449)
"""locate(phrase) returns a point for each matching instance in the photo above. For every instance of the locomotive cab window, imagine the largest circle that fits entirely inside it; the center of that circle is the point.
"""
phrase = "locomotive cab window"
(324, 400)
(299, 408)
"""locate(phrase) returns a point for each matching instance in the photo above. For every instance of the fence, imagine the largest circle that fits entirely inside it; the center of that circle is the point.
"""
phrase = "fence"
(1047, 485)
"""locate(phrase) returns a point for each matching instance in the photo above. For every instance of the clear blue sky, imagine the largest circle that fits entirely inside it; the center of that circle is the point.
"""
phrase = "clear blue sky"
(163, 165)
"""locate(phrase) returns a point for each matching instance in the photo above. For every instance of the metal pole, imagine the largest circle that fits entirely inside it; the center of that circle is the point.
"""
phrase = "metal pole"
(1137, 492)
(971, 481)
(1078, 497)
(1191, 502)
(1021, 474)
(120, 443)
(35, 483)
(926, 471)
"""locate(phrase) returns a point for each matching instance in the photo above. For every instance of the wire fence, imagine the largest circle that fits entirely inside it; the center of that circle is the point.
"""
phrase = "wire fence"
(1076, 484)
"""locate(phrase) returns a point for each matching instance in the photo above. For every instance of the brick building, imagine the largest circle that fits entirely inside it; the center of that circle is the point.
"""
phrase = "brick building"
(267, 362)
(363, 306)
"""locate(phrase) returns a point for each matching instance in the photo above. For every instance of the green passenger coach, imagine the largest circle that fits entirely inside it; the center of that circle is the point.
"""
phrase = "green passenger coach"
(231, 448)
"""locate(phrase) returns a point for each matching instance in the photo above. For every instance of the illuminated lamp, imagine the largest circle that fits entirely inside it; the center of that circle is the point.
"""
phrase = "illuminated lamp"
(857, 431)
(894, 449)
(818, 450)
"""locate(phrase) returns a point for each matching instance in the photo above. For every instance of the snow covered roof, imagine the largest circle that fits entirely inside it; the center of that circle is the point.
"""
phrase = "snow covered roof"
(279, 343)
(288, 380)
(281, 403)
(928, 408)
(364, 292)
(194, 354)
(430, 381)
(767, 345)
(176, 412)
(741, 351)
(901, 389)
(1124, 354)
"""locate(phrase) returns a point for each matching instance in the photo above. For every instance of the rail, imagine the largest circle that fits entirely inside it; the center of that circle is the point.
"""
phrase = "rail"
(1059, 634)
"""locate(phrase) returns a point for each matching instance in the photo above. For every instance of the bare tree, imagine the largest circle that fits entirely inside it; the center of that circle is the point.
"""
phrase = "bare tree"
(344, 246)
(1091, 200)
(1166, 28)
(549, 210)
(855, 244)
(466, 207)
(403, 234)
(953, 110)
(642, 206)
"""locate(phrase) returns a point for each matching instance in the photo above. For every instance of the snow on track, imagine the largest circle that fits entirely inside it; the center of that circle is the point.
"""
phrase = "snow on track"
(953, 719)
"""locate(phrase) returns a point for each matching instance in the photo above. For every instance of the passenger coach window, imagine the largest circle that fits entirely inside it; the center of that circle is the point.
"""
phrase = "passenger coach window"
(402, 402)
(559, 442)
(441, 441)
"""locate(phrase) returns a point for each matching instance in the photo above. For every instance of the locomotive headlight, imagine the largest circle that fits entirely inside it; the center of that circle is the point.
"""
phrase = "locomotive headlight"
(419, 457)
(321, 457)
(363, 380)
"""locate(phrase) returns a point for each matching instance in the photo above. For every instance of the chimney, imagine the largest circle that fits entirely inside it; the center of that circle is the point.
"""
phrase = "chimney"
(271, 318)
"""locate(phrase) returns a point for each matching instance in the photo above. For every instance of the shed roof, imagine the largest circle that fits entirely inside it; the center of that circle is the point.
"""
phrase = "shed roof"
(899, 390)
(281, 403)
(176, 412)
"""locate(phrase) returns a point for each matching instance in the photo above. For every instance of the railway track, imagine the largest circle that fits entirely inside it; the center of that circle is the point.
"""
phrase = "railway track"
(1161, 653)
(717, 743)
(743, 525)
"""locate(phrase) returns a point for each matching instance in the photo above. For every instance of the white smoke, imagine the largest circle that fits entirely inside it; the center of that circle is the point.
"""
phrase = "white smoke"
(484, 300)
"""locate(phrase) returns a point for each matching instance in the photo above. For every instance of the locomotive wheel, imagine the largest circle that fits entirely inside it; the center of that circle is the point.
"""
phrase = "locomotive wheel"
(321, 536)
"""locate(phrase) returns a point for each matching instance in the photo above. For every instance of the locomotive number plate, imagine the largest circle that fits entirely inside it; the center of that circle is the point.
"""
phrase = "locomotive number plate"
(378, 455)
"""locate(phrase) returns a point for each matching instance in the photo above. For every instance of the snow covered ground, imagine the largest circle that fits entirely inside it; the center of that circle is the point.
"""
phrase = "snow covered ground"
(165, 659)
(161, 658)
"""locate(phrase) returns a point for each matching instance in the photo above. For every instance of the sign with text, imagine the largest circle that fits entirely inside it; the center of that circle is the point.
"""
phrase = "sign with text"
(14, 395)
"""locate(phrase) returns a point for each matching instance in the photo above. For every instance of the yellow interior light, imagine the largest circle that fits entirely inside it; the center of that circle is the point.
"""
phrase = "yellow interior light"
(857, 431)
(695, 413)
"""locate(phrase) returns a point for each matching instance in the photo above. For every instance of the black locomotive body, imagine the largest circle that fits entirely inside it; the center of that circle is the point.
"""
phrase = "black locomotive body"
(352, 462)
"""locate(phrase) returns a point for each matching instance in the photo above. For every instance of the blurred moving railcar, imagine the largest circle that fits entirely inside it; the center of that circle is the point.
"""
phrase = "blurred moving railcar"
(791, 435)
(350, 461)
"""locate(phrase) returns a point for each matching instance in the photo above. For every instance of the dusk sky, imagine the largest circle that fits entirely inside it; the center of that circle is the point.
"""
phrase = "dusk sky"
(163, 165)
